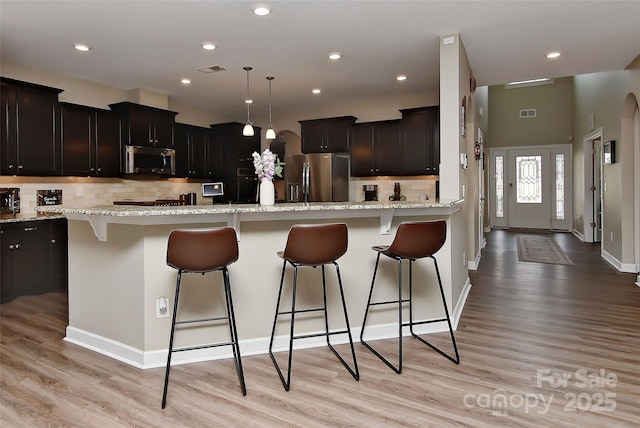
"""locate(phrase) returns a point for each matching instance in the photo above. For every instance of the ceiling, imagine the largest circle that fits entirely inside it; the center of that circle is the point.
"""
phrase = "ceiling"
(153, 44)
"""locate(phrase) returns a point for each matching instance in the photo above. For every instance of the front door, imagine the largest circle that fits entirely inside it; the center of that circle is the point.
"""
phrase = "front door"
(530, 187)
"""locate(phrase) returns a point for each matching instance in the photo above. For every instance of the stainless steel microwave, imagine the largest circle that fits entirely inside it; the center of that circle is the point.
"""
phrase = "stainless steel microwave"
(150, 160)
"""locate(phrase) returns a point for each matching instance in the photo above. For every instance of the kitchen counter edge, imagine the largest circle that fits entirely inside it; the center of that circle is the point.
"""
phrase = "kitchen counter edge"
(128, 211)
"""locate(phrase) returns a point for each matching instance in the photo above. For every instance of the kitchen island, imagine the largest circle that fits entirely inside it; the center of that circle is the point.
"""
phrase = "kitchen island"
(118, 271)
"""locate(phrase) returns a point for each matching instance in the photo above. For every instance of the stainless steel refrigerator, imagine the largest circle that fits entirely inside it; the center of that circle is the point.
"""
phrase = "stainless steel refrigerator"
(317, 177)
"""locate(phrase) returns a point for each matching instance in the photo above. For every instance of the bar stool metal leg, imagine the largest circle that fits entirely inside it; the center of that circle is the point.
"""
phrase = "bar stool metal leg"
(285, 382)
(455, 360)
(173, 329)
(355, 372)
(233, 330)
(396, 368)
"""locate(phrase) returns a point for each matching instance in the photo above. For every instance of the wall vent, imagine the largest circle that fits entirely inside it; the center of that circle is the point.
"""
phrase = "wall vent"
(528, 112)
(212, 69)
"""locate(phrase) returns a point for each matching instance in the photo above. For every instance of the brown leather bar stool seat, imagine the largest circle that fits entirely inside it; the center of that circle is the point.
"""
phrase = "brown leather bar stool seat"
(313, 245)
(203, 251)
(413, 241)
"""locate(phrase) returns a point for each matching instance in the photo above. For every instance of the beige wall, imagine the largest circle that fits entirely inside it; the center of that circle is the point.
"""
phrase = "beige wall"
(554, 114)
(601, 95)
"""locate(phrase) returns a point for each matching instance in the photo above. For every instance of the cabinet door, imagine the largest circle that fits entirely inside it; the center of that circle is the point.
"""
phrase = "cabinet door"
(215, 158)
(8, 139)
(25, 265)
(198, 152)
(76, 140)
(140, 127)
(37, 143)
(246, 147)
(386, 138)
(163, 129)
(337, 135)
(181, 141)
(421, 141)
(314, 137)
(361, 152)
(108, 147)
(58, 255)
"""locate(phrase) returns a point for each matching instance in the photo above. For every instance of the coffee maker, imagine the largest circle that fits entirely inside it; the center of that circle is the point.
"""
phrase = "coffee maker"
(9, 200)
(370, 192)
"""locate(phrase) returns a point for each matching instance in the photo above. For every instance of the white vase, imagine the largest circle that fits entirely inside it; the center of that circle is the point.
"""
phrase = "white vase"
(267, 192)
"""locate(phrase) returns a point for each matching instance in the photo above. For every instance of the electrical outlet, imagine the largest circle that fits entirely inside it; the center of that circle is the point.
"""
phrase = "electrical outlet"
(162, 307)
(79, 191)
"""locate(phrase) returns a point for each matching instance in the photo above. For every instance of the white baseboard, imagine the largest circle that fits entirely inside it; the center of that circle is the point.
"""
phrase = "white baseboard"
(473, 264)
(578, 234)
(622, 267)
(158, 358)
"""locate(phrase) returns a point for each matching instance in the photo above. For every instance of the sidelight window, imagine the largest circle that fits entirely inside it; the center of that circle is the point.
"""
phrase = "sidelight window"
(499, 186)
(560, 186)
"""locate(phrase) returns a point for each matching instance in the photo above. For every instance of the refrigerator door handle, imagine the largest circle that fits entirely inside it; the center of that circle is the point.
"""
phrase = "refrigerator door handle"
(305, 181)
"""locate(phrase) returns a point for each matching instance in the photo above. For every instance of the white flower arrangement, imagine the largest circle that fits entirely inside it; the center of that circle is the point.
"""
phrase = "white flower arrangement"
(267, 165)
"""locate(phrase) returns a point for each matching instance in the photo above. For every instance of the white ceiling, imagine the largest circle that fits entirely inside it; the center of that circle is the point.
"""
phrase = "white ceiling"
(153, 44)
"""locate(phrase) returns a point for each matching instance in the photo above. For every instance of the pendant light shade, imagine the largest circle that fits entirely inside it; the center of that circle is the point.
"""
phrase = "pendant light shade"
(271, 133)
(247, 131)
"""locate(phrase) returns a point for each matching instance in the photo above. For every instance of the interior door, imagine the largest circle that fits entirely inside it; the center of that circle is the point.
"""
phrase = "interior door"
(529, 189)
(596, 188)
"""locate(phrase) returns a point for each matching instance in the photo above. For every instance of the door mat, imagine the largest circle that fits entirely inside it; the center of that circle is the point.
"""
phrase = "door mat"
(539, 249)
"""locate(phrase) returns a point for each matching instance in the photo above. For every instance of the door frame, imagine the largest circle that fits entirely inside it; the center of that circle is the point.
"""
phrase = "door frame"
(567, 150)
(588, 209)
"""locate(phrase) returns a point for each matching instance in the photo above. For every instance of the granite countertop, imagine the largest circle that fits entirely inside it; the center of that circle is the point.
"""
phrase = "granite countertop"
(127, 211)
(29, 217)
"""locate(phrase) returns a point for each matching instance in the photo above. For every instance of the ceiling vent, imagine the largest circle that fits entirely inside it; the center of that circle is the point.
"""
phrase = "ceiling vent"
(529, 112)
(212, 69)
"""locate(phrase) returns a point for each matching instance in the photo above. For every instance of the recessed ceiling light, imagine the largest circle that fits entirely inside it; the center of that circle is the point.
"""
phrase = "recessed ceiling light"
(82, 47)
(316, 91)
(262, 9)
(335, 55)
(208, 45)
(401, 77)
(185, 81)
(555, 54)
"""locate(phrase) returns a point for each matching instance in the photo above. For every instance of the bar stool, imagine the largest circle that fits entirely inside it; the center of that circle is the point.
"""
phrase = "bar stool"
(202, 251)
(313, 245)
(413, 241)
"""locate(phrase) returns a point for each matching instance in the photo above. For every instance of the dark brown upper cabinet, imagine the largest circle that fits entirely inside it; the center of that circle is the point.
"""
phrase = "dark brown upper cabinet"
(331, 135)
(29, 144)
(198, 152)
(238, 172)
(90, 140)
(375, 148)
(421, 141)
(145, 126)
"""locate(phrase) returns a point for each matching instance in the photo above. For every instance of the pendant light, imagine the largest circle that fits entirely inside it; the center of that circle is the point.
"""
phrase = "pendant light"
(247, 131)
(271, 133)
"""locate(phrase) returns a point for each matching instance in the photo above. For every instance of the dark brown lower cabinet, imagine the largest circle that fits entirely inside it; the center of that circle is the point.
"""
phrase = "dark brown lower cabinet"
(33, 258)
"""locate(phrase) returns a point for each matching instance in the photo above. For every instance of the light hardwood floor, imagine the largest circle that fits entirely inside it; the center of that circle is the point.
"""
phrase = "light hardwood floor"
(531, 336)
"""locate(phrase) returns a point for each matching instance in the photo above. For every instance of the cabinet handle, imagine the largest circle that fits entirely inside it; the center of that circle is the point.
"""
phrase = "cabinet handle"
(53, 241)
(19, 166)
(10, 166)
(99, 169)
(14, 247)
(30, 229)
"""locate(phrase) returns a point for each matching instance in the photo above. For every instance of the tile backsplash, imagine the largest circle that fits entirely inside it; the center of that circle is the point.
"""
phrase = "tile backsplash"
(80, 191)
(84, 191)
